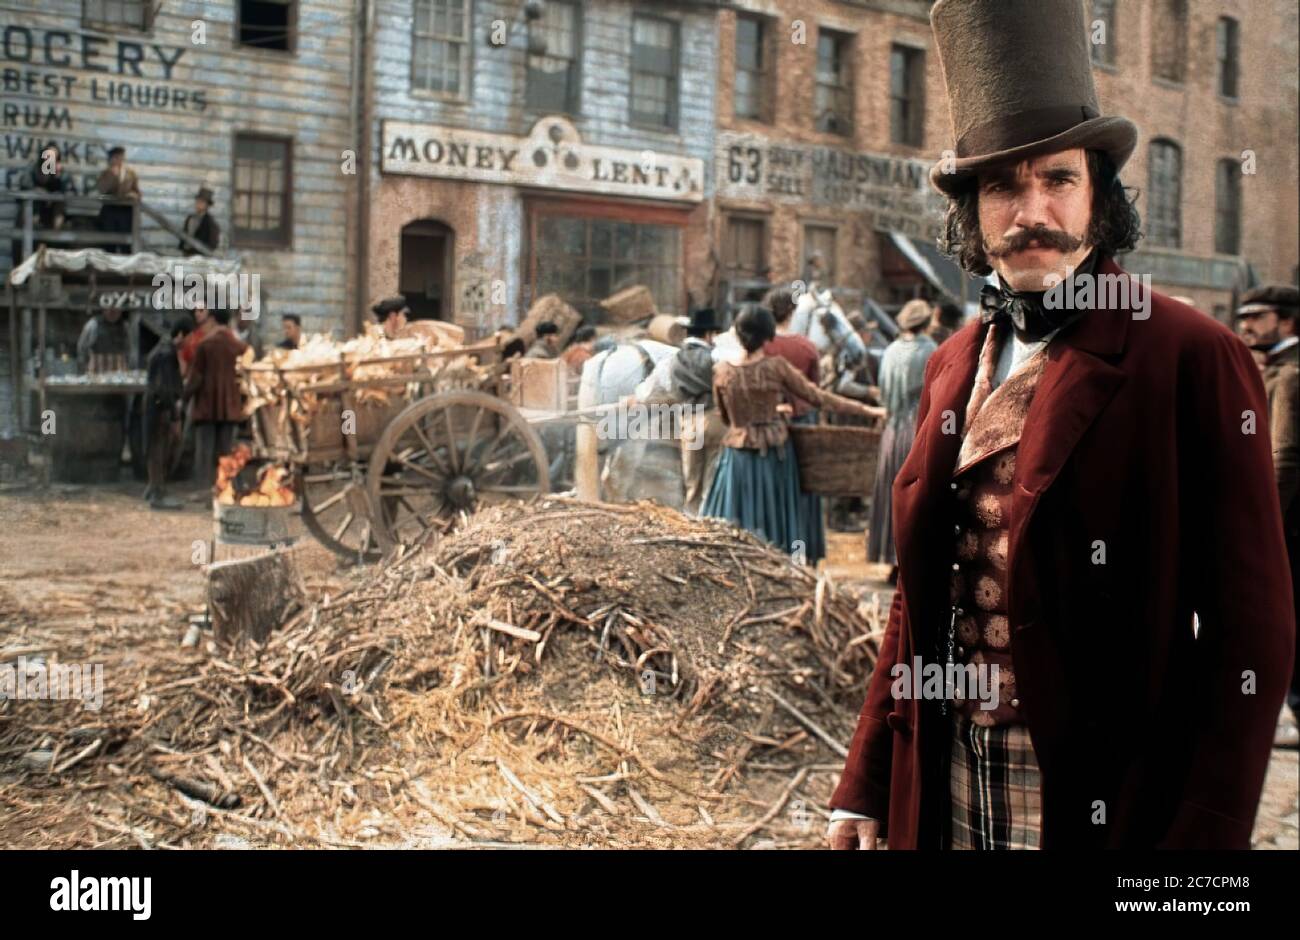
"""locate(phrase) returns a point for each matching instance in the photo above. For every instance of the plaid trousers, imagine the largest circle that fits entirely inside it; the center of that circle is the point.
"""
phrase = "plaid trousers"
(994, 787)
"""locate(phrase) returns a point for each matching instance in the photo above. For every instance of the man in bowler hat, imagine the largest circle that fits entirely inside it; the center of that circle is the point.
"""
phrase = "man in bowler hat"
(200, 225)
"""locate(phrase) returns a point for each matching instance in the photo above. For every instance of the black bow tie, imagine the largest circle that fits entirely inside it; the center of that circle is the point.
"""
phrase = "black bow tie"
(1025, 311)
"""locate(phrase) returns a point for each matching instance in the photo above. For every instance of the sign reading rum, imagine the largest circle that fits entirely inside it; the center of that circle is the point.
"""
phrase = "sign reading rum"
(552, 156)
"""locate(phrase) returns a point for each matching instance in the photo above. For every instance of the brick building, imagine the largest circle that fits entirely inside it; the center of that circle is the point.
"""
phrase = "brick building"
(831, 111)
(525, 148)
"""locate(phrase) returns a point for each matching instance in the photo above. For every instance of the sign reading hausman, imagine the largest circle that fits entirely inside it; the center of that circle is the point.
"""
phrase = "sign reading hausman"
(552, 156)
(893, 192)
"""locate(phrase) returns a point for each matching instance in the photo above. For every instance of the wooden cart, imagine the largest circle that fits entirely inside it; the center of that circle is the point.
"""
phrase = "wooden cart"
(394, 450)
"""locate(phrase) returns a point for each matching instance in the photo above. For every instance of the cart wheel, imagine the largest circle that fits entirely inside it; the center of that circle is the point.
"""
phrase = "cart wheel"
(446, 456)
(335, 509)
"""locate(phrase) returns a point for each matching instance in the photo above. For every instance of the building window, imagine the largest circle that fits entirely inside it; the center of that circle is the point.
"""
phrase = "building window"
(117, 14)
(821, 238)
(440, 47)
(1227, 208)
(1169, 40)
(553, 76)
(1101, 32)
(907, 96)
(266, 24)
(1164, 206)
(1229, 63)
(585, 260)
(654, 72)
(833, 100)
(752, 88)
(261, 209)
(744, 247)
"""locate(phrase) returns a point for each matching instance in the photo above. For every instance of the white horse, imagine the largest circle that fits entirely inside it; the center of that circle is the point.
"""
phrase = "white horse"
(806, 321)
(633, 469)
(809, 312)
(615, 373)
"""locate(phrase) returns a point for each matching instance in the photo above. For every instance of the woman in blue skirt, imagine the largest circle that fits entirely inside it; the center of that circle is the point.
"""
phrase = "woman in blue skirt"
(756, 485)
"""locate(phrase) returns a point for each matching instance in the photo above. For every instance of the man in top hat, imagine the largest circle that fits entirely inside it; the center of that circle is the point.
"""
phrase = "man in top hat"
(1268, 321)
(118, 181)
(200, 225)
(685, 377)
(1086, 478)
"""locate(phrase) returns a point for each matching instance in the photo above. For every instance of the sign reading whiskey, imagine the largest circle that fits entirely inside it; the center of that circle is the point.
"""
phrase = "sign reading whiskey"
(552, 156)
(894, 191)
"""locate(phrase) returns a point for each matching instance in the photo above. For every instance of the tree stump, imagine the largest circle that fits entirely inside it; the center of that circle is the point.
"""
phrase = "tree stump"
(250, 597)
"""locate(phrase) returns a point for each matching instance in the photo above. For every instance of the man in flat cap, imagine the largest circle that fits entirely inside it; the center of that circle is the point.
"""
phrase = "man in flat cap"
(1091, 472)
(547, 343)
(1268, 321)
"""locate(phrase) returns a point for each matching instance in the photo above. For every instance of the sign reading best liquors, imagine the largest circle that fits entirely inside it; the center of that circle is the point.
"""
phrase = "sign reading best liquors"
(552, 156)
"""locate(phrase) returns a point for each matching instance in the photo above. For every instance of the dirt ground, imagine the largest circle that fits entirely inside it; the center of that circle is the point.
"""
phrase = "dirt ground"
(96, 555)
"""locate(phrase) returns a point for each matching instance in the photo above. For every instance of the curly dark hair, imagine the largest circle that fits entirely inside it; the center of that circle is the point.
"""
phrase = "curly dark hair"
(1115, 225)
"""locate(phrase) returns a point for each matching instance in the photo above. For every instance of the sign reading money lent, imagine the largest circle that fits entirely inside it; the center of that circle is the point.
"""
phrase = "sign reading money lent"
(552, 156)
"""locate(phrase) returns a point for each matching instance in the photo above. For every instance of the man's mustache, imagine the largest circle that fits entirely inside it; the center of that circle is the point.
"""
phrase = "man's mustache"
(1044, 236)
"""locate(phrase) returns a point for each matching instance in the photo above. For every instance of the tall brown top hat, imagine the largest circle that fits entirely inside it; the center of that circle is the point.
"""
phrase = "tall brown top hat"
(1019, 79)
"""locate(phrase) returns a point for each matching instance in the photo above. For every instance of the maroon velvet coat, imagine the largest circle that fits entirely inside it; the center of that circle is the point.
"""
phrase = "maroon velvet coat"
(1136, 440)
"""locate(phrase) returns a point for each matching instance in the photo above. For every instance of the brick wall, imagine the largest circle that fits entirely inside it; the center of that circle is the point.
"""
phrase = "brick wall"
(1207, 127)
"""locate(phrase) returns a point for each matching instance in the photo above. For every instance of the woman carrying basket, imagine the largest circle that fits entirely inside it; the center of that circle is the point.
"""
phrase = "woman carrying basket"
(757, 481)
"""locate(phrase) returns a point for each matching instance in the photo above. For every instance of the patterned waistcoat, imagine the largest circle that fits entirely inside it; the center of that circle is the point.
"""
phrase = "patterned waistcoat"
(982, 487)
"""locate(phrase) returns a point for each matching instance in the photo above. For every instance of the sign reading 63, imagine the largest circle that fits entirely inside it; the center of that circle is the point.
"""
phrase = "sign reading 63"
(743, 163)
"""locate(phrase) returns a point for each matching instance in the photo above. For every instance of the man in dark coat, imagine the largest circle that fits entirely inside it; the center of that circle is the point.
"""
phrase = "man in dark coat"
(1088, 475)
(200, 225)
(1269, 323)
(213, 383)
(163, 411)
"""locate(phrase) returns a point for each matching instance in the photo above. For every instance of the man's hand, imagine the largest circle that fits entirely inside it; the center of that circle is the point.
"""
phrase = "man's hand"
(849, 834)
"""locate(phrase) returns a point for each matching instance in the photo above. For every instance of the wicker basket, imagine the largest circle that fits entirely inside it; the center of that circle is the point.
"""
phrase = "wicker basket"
(836, 460)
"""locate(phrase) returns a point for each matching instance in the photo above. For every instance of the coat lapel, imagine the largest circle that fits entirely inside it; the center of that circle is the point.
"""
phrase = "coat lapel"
(1077, 383)
(921, 488)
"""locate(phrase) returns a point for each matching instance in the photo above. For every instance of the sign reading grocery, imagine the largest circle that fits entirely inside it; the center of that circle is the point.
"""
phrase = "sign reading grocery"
(894, 191)
(552, 156)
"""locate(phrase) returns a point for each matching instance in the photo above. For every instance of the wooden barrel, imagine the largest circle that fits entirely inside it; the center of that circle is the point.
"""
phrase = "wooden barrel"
(248, 531)
(89, 432)
(836, 460)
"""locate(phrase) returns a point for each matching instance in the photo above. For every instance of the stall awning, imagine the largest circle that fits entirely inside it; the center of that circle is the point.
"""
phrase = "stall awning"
(96, 259)
(940, 273)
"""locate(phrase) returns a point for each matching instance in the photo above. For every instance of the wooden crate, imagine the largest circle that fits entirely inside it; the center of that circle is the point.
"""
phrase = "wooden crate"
(539, 383)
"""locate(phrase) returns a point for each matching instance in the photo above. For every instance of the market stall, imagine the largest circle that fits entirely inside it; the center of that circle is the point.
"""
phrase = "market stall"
(86, 410)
